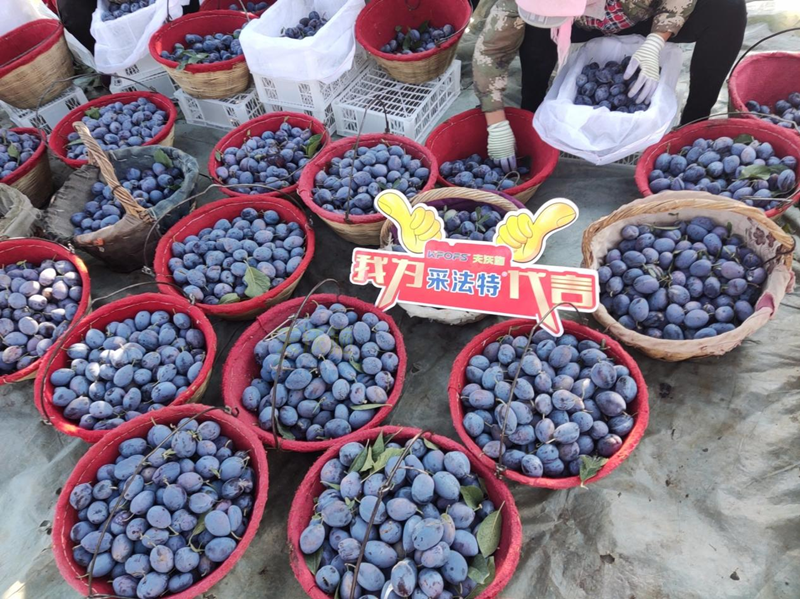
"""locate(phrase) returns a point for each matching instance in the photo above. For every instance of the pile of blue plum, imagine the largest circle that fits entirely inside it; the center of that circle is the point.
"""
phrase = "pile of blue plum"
(176, 504)
(119, 125)
(135, 366)
(238, 260)
(307, 27)
(416, 40)
(15, 150)
(117, 9)
(430, 535)
(569, 401)
(477, 172)
(199, 49)
(691, 280)
(148, 187)
(254, 7)
(743, 169)
(351, 183)
(37, 304)
(338, 370)
(271, 161)
(478, 224)
(786, 113)
(606, 87)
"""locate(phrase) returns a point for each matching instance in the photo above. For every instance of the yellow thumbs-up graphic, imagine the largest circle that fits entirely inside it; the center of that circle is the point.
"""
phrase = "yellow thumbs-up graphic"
(526, 235)
(415, 226)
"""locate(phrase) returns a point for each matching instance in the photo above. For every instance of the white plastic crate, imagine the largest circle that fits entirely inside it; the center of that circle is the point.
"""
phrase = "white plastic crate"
(326, 117)
(49, 114)
(145, 67)
(158, 80)
(224, 114)
(309, 95)
(412, 109)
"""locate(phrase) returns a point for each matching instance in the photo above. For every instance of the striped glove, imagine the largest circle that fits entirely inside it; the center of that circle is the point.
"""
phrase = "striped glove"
(648, 59)
(502, 146)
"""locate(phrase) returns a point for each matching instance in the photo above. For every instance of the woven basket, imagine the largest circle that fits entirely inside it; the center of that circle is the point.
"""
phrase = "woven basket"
(254, 128)
(230, 208)
(119, 310)
(639, 407)
(761, 235)
(376, 25)
(33, 178)
(203, 81)
(36, 64)
(508, 551)
(465, 134)
(107, 450)
(362, 230)
(459, 198)
(59, 137)
(765, 78)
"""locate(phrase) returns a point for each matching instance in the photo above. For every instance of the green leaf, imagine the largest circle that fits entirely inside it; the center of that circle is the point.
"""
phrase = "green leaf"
(333, 486)
(313, 145)
(283, 432)
(199, 527)
(407, 42)
(744, 138)
(369, 462)
(488, 533)
(424, 27)
(472, 496)
(230, 298)
(590, 466)
(756, 171)
(257, 282)
(479, 569)
(478, 590)
(13, 151)
(93, 113)
(313, 560)
(356, 366)
(367, 406)
(75, 142)
(430, 444)
(378, 447)
(385, 456)
(161, 157)
(360, 460)
(218, 156)
(398, 28)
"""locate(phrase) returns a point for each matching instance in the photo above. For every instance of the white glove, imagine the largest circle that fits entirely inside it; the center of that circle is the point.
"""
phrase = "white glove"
(648, 59)
(502, 146)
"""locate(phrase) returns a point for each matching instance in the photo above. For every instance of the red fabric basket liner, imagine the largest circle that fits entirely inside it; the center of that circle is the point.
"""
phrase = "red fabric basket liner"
(783, 141)
(207, 22)
(375, 26)
(506, 557)
(40, 152)
(765, 78)
(58, 138)
(255, 127)
(27, 42)
(107, 450)
(118, 310)
(465, 134)
(241, 368)
(36, 251)
(225, 5)
(337, 149)
(639, 407)
(206, 217)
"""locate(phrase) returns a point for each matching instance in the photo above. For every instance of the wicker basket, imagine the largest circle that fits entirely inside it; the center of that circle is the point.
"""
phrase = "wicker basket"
(363, 230)
(36, 63)
(761, 235)
(33, 178)
(465, 134)
(376, 25)
(204, 81)
(457, 197)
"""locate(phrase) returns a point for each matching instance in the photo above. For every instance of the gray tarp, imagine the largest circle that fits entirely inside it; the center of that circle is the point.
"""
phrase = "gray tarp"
(707, 506)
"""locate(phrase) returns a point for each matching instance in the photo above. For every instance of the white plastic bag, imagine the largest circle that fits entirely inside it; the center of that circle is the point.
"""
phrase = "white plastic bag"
(598, 134)
(123, 42)
(14, 13)
(322, 57)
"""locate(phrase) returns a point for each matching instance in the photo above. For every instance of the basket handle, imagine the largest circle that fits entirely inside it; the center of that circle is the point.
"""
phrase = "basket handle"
(98, 158)
(759, 42)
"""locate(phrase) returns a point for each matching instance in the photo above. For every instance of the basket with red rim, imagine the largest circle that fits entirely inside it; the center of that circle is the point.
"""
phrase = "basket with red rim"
(33, 178)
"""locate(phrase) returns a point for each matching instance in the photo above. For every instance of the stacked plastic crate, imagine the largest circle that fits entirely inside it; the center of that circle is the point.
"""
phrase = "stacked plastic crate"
(313, 98)
(145, 75)
(48, 115)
